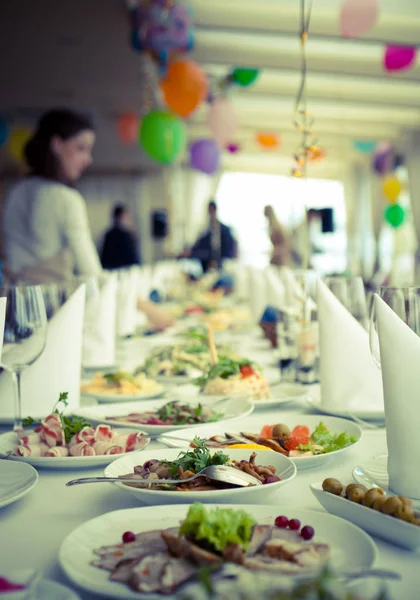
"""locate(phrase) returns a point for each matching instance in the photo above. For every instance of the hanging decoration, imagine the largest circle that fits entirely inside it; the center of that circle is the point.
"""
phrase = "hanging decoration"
(269, 141)
(303, 121)
(395, 215)
(222, 121)
(391, 188)
(163, 136)
(399, 58)
(17, 141)
(205, 156)
(383, 159)
(127, 127)
(162, 28)
(233, 148)
(4, 131)
(364, 146)
(185, 86)
(357, 17)
(244, 77)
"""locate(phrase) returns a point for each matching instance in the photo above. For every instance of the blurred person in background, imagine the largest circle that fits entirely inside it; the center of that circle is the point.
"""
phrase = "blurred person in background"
(120, 247)
(216, 244)
(279, 237)
(46, 231)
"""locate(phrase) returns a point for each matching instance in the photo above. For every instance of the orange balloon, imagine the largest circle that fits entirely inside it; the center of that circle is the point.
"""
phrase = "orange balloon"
(185, 86)
(127, 127)
(268, 140)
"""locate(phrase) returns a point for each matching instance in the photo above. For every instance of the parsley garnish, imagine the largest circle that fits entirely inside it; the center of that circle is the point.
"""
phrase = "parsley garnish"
(225, 368)
(196, 459)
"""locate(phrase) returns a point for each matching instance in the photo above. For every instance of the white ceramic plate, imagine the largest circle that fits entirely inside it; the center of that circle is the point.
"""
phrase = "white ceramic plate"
(232, 408)
(301, 462)
(285, 469)
(283, 393)
(42, 590)
(113, 398)
(15, 481)
(76, 552)
(8, 443)
(382, 526)
(367, 414)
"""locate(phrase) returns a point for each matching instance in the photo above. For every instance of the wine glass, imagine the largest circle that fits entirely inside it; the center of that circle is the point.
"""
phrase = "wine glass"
(351, 293)
(405, 302)
(25, 332)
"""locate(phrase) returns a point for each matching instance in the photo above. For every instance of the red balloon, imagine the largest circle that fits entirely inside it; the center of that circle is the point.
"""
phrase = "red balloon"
(357, 16)
(398, 58)
(127, 127)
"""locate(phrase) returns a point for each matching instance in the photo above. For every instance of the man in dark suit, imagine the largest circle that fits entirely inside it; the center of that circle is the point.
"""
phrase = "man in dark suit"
(120, 247)
(216, 244)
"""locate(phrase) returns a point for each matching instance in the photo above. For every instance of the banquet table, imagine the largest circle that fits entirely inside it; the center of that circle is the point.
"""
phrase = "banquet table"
(33, 528)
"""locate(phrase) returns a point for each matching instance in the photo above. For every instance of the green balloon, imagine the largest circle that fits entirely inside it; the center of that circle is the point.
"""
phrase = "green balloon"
(395, 215)
(244, 77)
(163, 136)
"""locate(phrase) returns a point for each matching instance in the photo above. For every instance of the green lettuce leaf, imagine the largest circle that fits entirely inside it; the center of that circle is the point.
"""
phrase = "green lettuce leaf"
(329, 441)
(218, 527)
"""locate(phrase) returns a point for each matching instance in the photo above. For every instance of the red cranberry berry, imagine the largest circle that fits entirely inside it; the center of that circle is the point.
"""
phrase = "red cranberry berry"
(307, 532)
(294, 524)
(282, 522)
(128, 537)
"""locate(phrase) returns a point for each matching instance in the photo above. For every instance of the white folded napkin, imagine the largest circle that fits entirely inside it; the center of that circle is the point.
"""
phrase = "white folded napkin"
(400, 361)
(350, 380)
(127, 293)
(58, 368)
(2, 319)
(99, 330)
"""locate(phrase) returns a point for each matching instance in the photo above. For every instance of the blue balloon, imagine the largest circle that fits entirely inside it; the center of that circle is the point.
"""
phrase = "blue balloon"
(4, 131)
(364, 146)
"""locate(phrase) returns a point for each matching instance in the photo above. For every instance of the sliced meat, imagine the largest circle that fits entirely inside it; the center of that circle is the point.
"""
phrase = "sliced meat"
(151, 539)
(147, 573)
(260, 535)
(303, 554)
(123, 572)
(180, 547)
(57, 451)
(234, 553)
(176, 572)
(266, 563)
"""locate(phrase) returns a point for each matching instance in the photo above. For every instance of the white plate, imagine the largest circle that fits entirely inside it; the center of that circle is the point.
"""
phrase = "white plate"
(368, 414)
(113, 398)
(8, 444)
(15, 481)
(233, 408)
(301, 462)
(283, 393)
(285, 469)
(42, 590)
(349, 544)
(383, 526)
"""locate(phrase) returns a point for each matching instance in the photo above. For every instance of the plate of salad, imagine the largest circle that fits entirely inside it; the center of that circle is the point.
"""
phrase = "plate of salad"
(121, 386)
(156, 417)
(307, 440)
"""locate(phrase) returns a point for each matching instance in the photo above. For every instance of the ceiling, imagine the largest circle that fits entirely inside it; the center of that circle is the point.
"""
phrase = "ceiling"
(55, 52)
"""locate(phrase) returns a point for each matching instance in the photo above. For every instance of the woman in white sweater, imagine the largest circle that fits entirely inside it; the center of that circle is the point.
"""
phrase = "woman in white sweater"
(46, 230)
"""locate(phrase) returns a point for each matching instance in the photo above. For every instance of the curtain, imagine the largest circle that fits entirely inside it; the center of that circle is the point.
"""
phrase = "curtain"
(352, 197)
(413, 172)
(377, 204)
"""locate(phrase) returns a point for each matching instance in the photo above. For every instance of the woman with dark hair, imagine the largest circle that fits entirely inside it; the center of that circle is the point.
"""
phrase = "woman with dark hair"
(46, 231)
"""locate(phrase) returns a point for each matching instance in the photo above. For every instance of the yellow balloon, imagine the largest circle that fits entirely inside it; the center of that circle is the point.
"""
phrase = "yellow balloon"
(17, 142)
(391, 188)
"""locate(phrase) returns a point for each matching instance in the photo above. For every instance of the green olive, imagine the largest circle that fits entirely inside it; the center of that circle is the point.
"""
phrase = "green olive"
(333, 486)
(371, 495)
(391, 505)
(356, 495)
(405, 513)
(353, 486)
(281, 431)
(379, 503)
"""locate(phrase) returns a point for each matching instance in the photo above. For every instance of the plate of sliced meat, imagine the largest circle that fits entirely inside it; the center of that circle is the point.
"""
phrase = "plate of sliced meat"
(149, 551)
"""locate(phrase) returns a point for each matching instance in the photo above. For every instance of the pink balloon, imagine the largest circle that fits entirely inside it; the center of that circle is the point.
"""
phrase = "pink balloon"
(222, 121)
(357, 16)
(397, 58)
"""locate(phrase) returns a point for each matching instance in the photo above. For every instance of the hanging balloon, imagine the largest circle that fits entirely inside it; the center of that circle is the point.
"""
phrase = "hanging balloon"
(4, 131)
(17, 141)
(399, 58)
(185, 86)
(163, 136)
(127, 127)
(244, 77)
(395, 215)
(357, 17)
(222, 121)
(233, 148)
(268, 140)
(205, 156)
(364, 146)
(391, 188)
(163, 28)
(383, 158)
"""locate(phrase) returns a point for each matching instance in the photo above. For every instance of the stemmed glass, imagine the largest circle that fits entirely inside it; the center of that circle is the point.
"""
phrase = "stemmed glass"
(25, 332)
(351, 293)
(405, 302)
